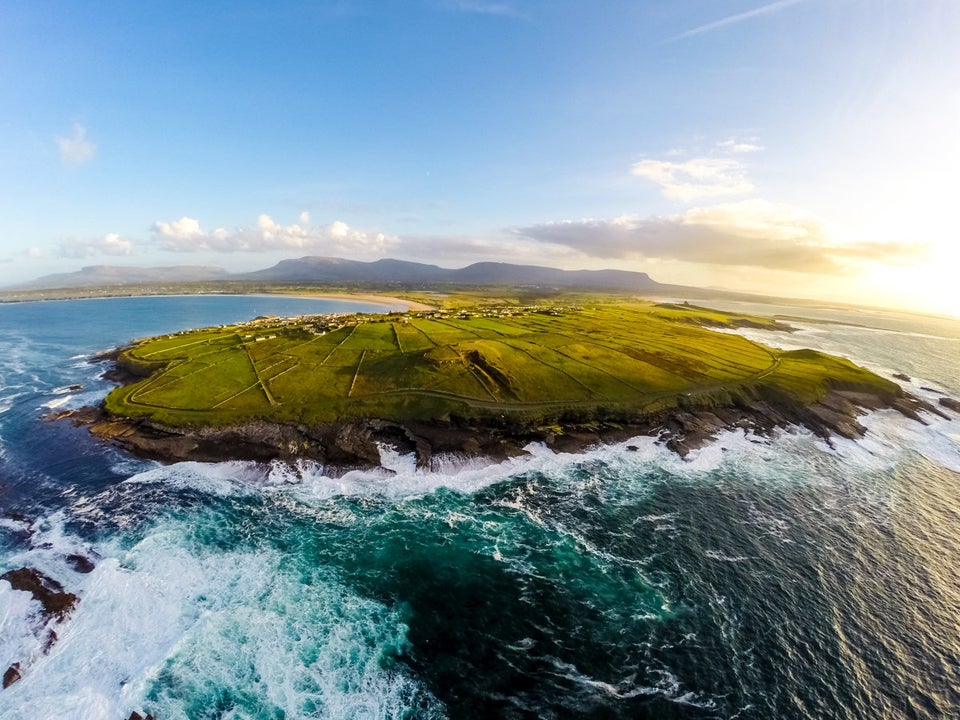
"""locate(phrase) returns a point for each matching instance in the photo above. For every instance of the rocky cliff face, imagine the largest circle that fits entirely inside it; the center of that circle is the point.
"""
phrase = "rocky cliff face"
(358, 443)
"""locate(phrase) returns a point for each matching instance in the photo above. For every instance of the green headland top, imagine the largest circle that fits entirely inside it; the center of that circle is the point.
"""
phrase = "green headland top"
(533, 363)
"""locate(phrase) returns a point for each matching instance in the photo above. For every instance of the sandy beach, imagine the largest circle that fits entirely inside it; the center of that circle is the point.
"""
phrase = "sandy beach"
(362, 297)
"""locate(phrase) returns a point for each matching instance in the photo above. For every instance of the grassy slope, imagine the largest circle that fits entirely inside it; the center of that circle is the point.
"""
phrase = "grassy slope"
(621, 359)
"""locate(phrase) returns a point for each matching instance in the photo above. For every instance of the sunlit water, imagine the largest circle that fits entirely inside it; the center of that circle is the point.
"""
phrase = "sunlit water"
(758, 579)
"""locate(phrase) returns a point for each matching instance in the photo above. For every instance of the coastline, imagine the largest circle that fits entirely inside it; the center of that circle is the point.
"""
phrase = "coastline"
(357, 444)
(794, 389)
(123, 292)
(358, 297)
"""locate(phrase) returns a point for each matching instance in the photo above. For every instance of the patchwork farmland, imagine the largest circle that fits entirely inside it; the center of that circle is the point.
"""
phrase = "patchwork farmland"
(533, 361)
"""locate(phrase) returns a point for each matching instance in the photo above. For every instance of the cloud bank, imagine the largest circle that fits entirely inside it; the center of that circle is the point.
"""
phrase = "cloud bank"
(76, 149)
(109, 244)
(702, 177)
(719, 173)
(185, 235)
(751, 233)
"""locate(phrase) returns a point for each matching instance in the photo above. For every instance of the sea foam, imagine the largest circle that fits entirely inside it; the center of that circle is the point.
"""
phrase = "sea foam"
(174, 628)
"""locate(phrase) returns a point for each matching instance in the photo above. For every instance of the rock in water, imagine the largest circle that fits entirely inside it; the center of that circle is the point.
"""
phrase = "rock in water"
(80, 563)
(48, 591)
(950, 404)
(11, 675)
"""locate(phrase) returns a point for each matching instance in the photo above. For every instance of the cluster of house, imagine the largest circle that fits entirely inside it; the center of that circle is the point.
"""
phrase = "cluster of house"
(493, 311)
(255, 330)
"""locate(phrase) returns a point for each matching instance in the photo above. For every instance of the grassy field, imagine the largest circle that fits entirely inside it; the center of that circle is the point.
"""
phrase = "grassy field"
(539, 363)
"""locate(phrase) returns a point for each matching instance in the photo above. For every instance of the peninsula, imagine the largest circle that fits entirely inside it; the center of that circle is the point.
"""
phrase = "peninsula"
(479, 381)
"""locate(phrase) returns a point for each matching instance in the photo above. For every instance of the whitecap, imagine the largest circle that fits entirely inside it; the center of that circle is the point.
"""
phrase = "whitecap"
(166, 614)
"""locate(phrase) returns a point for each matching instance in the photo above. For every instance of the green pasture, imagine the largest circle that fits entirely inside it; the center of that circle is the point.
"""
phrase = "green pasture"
(485, 360)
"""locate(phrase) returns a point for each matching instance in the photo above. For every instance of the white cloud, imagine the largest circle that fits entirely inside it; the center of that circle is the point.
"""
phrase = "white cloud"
(76, 149)
(183, 229)
(733, 145)
(750, 233)
(339, 229)
(481, 8)
(186, 235)
(109, 244)
(701, 177)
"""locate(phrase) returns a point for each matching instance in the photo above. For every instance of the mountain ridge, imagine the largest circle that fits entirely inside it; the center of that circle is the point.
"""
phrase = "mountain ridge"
(314, 269)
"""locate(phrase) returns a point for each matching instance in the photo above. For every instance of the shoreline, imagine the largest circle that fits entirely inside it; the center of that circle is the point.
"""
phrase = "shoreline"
(802, 388)
(357, 297)
(356, 444)
(369, 298)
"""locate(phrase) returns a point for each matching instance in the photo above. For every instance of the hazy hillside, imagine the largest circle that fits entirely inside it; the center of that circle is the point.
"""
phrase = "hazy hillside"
(100, 275)
(339, 271)
(324, 270)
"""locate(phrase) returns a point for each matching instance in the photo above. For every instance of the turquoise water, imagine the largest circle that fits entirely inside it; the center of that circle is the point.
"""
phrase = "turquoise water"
(759, 579)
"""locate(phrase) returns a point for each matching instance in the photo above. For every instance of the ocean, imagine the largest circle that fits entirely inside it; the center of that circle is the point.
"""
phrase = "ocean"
(780, 577)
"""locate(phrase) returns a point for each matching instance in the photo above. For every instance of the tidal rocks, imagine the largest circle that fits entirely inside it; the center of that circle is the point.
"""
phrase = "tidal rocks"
(950, 404)
(46, 590)
(11, 675)
(56, 603)
(80, 563)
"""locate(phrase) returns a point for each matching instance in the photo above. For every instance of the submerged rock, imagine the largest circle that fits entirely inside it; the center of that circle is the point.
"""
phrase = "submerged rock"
(80, 563)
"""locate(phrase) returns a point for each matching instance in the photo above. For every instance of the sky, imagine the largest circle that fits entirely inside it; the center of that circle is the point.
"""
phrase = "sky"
(805, 148)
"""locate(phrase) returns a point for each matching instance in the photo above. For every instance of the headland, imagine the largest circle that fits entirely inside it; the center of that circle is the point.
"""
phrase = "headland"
(479, 381)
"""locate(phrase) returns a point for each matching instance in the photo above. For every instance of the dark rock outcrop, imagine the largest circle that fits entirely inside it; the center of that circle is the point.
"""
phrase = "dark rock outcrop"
(80, 563)
(11, 675)
(357, 443)
(950, 404)
(56, 603)
(46, 590)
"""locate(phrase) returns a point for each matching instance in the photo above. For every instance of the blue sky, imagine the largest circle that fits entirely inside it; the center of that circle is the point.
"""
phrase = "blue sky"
(802, 147)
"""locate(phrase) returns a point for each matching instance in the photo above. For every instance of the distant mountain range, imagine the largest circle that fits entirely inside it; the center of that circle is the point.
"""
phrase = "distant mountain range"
(338, 271)
(107, 275)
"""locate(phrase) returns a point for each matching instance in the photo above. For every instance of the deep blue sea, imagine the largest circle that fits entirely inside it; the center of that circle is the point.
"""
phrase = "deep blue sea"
(761, 578)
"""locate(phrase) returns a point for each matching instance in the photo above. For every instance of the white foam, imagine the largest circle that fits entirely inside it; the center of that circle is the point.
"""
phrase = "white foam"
(722, 557)
(222, 479)
(793, 453)
(668, 687)
(203, 617)
(58, 402)
(893, 437)
(21, 626)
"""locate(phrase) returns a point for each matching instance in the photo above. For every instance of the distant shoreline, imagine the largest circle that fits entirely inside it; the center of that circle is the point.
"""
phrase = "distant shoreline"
(370, 298)
(358, 297)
